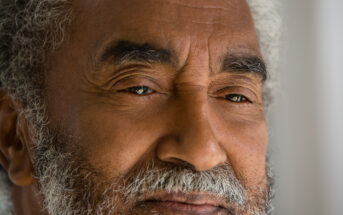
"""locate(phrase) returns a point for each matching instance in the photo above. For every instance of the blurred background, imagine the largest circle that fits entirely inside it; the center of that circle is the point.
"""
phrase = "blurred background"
(306, 123)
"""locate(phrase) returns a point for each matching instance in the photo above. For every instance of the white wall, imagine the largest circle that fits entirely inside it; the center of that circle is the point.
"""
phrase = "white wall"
(307, 122)
(329, 19)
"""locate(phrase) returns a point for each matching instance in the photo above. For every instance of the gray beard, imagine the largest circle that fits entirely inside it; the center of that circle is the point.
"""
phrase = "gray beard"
(68, 184)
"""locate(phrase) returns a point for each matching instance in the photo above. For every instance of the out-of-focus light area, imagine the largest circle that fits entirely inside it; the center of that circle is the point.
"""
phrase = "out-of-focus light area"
(306, 124)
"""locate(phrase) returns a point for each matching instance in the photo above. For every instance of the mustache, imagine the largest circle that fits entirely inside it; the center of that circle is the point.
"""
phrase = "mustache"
(155, 176)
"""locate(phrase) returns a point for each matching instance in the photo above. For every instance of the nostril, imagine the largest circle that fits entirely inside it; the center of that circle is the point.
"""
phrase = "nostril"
(180, 162)
(193, 145)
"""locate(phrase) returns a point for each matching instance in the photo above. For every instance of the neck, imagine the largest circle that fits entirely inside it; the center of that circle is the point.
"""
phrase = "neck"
(26, 201)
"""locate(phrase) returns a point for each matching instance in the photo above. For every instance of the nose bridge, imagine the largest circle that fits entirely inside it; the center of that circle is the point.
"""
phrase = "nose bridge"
(196, 142)
(193, 110)
(194, 123)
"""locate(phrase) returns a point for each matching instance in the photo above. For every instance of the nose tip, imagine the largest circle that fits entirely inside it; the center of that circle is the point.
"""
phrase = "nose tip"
(200, 155)
(194, 143)
(208, 156)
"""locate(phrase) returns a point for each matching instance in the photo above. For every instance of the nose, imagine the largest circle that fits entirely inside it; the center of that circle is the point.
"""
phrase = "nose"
(194, 143)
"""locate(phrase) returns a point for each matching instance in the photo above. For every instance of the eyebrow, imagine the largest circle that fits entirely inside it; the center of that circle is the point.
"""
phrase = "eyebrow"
(245, 64)
(125, 51)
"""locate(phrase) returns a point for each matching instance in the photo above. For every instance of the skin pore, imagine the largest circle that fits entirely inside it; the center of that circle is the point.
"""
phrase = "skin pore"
(169, 83)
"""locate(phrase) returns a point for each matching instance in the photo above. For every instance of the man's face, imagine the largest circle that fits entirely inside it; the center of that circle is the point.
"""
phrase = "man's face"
(161, 85)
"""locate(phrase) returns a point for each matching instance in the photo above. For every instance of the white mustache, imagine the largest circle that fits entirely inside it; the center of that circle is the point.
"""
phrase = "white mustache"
(219, 181)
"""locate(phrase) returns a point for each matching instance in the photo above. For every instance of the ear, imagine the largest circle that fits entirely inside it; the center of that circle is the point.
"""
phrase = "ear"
(14, 142)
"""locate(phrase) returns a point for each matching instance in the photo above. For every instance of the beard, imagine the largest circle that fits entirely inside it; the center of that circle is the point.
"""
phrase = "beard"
(68, 184)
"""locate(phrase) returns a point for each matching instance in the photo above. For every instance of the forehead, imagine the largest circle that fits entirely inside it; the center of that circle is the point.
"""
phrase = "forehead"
(188, 12)
(215, 25)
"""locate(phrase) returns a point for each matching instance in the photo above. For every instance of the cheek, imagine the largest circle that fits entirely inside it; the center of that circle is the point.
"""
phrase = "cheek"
(247, 153)
(245, 142)
(114, 142)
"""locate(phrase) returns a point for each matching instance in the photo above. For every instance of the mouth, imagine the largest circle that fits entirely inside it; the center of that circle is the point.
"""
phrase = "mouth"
(180, 203)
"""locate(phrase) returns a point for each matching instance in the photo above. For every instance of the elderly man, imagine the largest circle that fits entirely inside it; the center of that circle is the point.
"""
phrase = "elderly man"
(135, 107)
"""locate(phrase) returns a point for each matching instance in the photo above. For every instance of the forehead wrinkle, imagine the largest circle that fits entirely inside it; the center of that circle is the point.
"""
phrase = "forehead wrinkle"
(210, 4)
(209, 53)
(201, 12)
(163, 35)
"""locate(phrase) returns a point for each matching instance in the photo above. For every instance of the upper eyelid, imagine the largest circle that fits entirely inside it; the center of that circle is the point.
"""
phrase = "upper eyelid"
(232, 87)
(235, 80)
(128, 78)
(136, 70)
(238, 87)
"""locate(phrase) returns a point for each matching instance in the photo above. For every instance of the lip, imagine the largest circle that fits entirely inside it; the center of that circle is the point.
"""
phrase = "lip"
(181, 203)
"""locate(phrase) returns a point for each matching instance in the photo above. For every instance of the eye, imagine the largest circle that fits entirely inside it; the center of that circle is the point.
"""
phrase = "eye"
(139, 90)
(237, 98)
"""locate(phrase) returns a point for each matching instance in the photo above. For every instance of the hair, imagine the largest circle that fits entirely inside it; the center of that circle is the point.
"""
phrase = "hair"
(31, 29)
(267, 20)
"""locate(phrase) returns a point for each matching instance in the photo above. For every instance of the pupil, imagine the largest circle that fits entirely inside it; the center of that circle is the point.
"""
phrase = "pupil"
(235, 98)
(141, 90)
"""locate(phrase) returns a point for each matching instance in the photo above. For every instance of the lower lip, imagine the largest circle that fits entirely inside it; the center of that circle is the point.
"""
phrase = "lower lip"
(183, 208)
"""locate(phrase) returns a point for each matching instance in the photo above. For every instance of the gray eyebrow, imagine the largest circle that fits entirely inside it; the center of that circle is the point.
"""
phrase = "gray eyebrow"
(245, 64)
(124, 51)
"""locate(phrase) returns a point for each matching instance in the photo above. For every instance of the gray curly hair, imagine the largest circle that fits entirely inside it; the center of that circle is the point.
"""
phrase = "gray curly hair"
(31, 29)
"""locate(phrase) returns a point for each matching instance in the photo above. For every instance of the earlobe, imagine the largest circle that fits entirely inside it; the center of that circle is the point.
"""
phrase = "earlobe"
(20, 168)
(14, 156)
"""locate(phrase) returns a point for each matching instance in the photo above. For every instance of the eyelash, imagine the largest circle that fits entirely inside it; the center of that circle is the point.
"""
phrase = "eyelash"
(141, 91)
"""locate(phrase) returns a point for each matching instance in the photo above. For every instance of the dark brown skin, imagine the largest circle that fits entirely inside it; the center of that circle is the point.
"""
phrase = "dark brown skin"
(185, 119)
